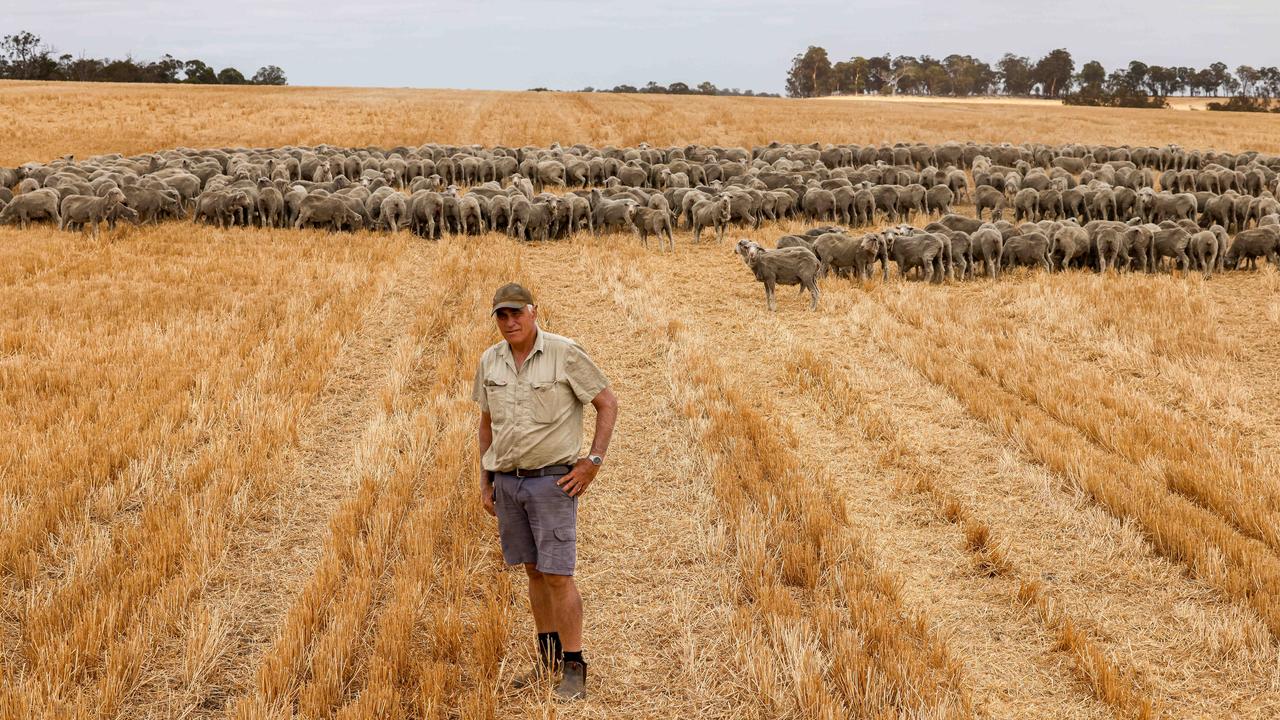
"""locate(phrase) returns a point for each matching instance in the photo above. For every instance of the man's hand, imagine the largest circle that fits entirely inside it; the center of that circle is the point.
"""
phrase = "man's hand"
(576, 482)
(486, 496)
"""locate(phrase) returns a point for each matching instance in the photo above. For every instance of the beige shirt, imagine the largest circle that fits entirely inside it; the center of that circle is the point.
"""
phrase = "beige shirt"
(536, 412)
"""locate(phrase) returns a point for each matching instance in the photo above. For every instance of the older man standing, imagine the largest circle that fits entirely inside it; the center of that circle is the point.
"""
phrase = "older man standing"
(531, 387)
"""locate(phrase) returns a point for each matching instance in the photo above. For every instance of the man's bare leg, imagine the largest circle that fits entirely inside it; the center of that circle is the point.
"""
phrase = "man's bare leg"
(541, 601)
(567, 605)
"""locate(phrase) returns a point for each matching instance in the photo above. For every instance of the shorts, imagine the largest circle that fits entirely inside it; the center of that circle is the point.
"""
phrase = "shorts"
(537, 522)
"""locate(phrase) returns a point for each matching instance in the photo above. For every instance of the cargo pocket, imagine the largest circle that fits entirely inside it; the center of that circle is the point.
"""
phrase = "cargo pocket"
(549, 400)
(566, 534)
(497, 395)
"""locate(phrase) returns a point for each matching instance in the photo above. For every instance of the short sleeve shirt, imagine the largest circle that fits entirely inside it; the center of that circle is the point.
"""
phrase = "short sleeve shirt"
(536, 411)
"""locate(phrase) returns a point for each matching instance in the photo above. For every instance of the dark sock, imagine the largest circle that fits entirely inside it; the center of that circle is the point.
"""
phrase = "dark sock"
(549, 648)
(574, 656)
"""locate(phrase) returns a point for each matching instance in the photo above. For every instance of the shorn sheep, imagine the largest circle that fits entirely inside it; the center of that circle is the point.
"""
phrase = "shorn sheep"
(787, 266)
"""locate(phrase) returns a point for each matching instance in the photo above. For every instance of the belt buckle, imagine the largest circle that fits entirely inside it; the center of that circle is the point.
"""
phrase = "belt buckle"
(522, 473)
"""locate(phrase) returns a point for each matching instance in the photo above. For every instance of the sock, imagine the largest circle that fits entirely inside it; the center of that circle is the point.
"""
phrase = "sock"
(574, 656)
(549, 648)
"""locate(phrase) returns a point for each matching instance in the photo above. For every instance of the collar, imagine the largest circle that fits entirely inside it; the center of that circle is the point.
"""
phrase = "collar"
(539, 342)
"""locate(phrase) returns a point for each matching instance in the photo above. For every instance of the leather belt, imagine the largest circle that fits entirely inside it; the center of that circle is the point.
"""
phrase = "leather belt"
(538, 472)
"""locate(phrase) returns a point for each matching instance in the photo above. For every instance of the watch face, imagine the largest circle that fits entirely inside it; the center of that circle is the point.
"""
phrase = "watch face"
(595, 459)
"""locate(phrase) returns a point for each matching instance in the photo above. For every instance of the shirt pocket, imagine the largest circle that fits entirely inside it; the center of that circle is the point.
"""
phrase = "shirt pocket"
(498, 395)
(549, 401)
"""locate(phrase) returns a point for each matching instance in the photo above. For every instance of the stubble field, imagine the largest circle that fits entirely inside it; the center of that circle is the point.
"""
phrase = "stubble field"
(239, 474)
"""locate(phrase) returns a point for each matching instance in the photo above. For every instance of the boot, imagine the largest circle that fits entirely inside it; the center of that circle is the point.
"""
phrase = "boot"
(547, 666)
(573, 686)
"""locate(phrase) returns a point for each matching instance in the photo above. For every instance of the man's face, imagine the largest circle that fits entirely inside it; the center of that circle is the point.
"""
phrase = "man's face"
(516, 324)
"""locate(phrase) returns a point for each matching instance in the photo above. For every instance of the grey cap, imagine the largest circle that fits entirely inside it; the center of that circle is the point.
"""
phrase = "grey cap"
(511, 296)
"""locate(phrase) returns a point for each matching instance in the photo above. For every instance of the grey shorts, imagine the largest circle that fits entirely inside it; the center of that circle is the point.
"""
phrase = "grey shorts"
(537, 522)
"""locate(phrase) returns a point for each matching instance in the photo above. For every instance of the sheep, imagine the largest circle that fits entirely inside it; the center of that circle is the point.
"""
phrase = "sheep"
(39, 204)
(714, 213)
(88, 209)
(788, 266)
(651, 221)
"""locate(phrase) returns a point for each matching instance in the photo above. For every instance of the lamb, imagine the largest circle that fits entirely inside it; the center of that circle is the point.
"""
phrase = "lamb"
(88, 209)
(788, 266)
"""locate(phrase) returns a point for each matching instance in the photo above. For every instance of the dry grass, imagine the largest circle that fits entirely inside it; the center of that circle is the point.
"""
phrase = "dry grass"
(85, 119)
(238, 476)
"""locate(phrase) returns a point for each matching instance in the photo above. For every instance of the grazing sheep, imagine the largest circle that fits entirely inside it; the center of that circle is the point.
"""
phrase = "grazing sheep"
(39, 204)
(393, 212)
(788, 266)
(88, 209)
(328, 209)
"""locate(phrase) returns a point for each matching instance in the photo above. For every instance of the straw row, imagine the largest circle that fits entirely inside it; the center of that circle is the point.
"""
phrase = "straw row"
(822, 626)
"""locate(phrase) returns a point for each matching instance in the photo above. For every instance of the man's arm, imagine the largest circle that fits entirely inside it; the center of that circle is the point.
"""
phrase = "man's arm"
(484, 438)
(584, 472)
(606, 405)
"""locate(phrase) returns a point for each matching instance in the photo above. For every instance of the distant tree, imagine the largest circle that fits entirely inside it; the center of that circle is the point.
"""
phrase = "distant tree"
(269, 75)
(968, 75)
(231, 76)
(1053, 72)
(27, 57)
(1092, 75)
(1015, 74)
(125, 70)
(1221, 79)
(810, 74)
(678, 88)
(706, 88)
(879, 74)
(164, 70)
(199, 73)
(1204, 81)
(82, 69)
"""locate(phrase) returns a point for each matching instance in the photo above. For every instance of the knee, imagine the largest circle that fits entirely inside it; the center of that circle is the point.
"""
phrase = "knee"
(534, 574)
(557, 583)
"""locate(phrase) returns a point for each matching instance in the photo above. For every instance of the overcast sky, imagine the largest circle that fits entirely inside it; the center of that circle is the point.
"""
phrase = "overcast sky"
(569, 44)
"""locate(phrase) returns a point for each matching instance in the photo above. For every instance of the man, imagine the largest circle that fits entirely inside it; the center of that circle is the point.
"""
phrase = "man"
(531, 387)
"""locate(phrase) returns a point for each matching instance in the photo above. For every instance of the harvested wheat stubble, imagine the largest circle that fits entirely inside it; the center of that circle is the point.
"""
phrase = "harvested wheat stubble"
(1243, 568)
(136, 542)
(404, 614)
(1103, 570)
(92, 118)
(160, 318)
(990, 556)
(650, 569)
(821, 624)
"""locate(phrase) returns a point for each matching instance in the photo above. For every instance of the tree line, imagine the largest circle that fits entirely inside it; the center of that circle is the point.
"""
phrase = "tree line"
(1054, 75)
(675, 88)
(25, 56)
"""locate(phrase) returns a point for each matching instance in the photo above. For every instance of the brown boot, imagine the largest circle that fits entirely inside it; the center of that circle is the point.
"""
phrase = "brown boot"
(533, 677)
(547, 665)
(573, 686)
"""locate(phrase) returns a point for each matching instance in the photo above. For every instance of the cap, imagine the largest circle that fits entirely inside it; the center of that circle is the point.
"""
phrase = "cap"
(511, 295)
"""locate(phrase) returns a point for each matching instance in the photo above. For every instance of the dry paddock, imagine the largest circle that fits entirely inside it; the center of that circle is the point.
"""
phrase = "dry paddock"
(238, 477)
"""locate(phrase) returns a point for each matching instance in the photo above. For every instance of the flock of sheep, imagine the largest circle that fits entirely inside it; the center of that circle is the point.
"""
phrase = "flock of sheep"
(1072, 205)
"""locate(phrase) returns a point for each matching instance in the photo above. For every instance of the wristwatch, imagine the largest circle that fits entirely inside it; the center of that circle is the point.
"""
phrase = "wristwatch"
(596, 459)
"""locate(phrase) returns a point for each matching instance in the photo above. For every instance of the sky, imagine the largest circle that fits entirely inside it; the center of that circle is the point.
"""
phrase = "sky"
(570, 44)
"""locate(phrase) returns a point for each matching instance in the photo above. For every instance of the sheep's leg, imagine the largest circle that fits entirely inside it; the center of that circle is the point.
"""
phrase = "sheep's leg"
(768, 295)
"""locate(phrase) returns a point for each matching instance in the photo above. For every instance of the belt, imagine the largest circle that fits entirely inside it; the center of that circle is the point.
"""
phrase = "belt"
(537, 472)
